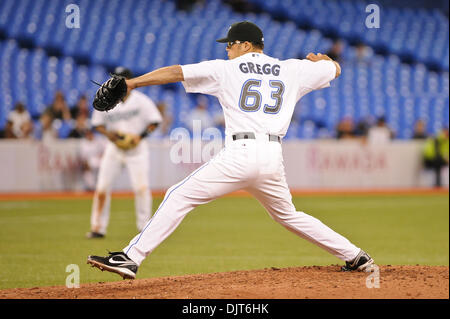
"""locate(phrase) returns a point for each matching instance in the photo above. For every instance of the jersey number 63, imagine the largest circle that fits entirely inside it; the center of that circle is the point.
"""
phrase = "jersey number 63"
(249, 90)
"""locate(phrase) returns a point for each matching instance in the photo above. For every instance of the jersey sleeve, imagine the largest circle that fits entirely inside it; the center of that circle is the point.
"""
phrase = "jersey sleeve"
(316, 75)
(204, 77)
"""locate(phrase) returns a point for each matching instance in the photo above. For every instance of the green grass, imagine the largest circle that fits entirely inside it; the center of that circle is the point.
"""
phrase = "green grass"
(40, 238)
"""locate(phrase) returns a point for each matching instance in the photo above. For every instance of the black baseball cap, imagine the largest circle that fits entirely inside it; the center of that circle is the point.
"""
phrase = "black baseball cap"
(244, 31)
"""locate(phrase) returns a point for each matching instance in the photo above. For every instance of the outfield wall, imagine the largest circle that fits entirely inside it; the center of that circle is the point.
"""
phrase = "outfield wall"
(29, 166)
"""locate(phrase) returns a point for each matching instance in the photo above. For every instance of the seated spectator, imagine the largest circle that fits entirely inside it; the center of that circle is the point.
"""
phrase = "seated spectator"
(436, 154)
(380, 133)
(163, 129)
(19, 124)
(8, 131)
(217, 116)
(200, 113)
(335, 52)
(420, 130)
(322, 130)
(81, 108)
(59, 109)
(363, 52)
(45, 130)
(362, 128)
(219, 120)
(81, 126)
(27, 129)
(345, 128)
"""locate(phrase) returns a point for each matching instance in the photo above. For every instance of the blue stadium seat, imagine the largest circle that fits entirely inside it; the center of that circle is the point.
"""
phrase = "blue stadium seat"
(41, 55)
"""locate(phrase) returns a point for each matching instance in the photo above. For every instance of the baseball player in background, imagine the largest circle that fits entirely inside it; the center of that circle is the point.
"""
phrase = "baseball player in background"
(125, 127)
(258, 94)
(91, 152)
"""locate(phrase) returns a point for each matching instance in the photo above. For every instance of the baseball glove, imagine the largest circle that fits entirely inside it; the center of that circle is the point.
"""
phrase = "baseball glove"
(126, 141)
(110, 93)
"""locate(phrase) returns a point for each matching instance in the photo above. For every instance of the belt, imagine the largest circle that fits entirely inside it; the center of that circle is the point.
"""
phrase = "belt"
(251, 136)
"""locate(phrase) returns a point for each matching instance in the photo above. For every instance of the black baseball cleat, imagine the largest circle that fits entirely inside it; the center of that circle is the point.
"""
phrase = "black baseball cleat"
(361, 262)
(93, 234)
(117, 262)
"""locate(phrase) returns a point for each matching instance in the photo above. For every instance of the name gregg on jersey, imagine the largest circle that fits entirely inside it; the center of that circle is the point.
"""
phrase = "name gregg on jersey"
(249, 67)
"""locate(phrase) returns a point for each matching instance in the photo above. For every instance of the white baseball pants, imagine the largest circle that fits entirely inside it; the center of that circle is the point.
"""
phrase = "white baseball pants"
(137, 163)
(255, 165)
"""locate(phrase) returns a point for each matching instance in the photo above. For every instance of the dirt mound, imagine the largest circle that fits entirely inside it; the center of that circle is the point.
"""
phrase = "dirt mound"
(316, 282)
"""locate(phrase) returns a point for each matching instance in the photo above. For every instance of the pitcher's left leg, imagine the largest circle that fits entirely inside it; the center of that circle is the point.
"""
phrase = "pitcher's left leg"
(138, 166)
(109, 168)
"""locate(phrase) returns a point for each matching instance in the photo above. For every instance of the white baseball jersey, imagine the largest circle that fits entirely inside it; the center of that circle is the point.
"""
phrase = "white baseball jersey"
(258, 93)
(132, 116)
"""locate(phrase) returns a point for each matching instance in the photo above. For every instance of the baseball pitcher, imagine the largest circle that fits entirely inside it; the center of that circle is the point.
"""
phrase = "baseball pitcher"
(258, 94)
(125, 127)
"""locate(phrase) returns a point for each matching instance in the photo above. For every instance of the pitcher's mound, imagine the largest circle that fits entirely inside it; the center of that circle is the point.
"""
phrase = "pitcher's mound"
(315, 282)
